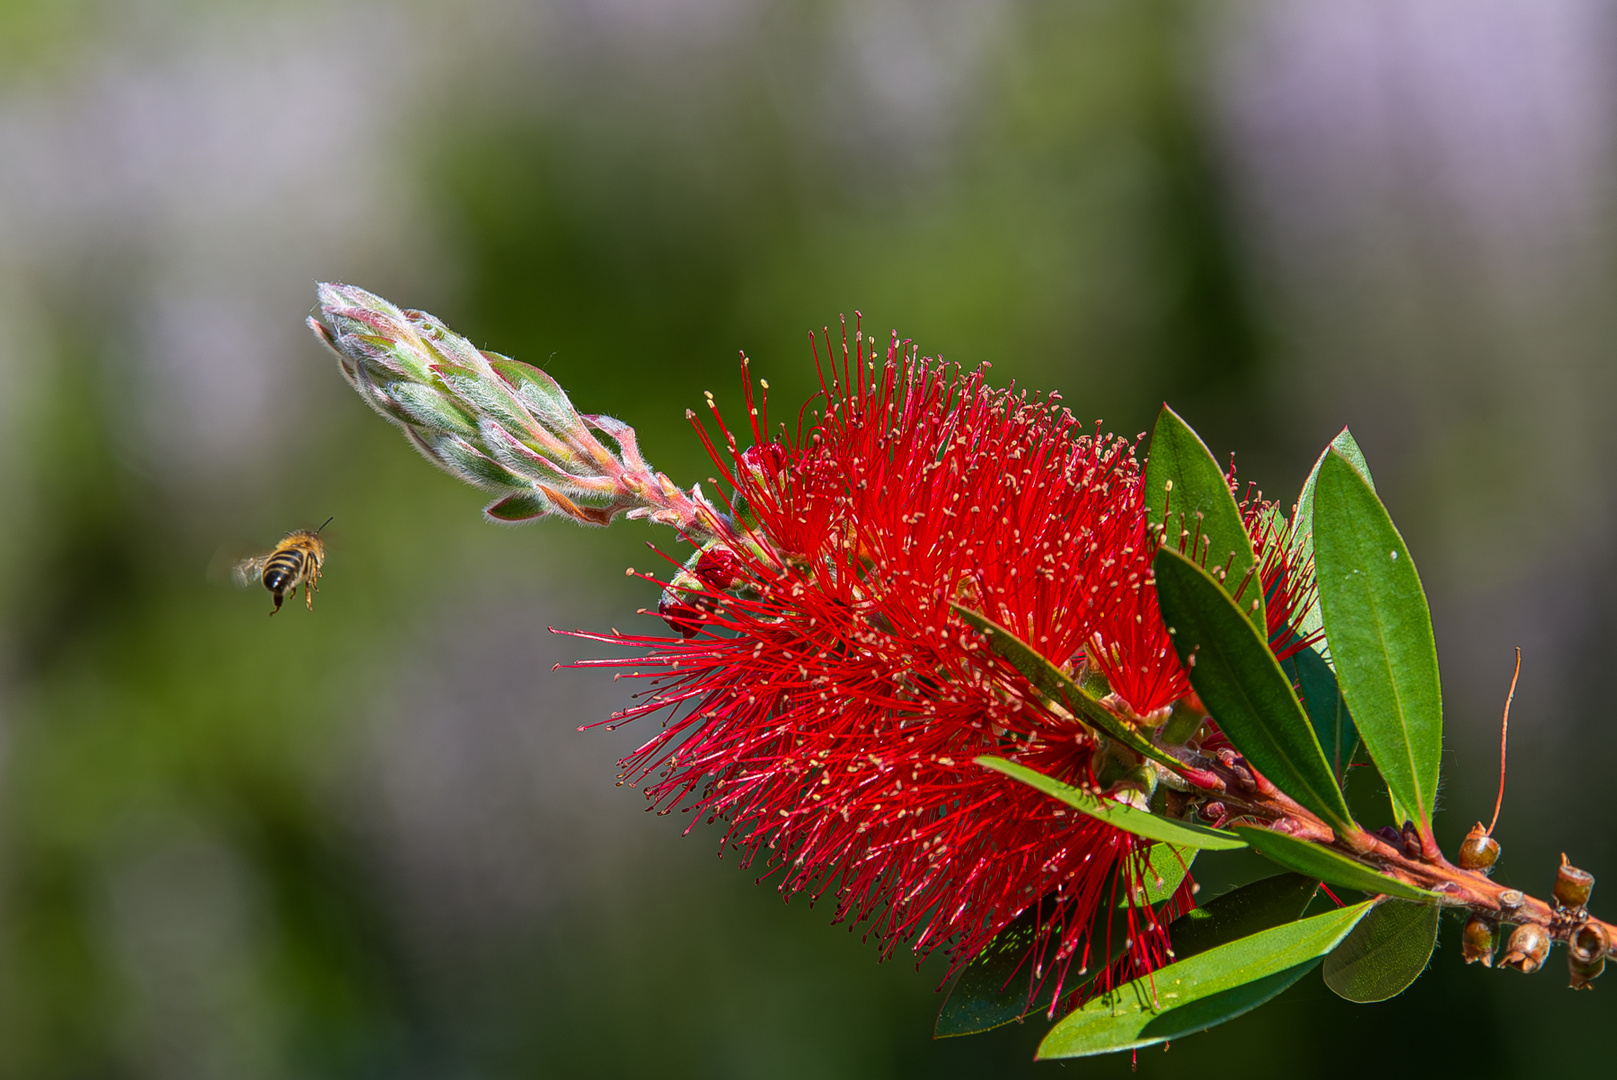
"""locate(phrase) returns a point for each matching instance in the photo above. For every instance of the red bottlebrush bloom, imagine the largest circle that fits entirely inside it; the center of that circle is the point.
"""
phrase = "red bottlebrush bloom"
(1288, 584)
(830, 705)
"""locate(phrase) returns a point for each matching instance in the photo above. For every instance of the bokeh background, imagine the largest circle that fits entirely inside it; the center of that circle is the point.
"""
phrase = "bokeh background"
(369, 841)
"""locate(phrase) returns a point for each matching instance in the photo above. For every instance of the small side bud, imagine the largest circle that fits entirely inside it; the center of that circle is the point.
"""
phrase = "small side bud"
(1527, 948)
(1586, 954)
(1572, 886)
(1478, 851)
(1124, 775)
(1410, 836)
(765, 459)
(1184, 723)
(1477, 941)
(717, 567)
(683, 618)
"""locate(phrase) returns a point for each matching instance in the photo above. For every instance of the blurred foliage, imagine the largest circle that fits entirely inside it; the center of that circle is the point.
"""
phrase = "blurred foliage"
(201, 873)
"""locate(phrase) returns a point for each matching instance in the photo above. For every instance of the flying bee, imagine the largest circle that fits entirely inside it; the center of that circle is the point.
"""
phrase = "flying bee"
(294, 561)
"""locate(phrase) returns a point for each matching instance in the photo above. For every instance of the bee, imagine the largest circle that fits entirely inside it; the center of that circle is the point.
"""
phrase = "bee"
(294, 561)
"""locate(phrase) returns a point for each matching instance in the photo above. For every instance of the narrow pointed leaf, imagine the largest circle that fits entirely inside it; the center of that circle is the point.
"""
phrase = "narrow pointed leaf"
(1241, 912)
(1164, 868)
(1057, 685)
(999, 984)
(1308, 620)
(1186, 492)
(1195, 994)
(1327, 711)
(1128, 818)
(1380, 631)
(1384, 953)
(1241, 684)
(1331, 867)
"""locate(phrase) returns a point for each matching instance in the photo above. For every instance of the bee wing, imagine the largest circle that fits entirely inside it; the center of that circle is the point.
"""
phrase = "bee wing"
(249, 570)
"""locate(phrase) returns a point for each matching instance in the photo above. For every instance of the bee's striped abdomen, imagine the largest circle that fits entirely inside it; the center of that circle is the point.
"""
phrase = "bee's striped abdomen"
(283, 570)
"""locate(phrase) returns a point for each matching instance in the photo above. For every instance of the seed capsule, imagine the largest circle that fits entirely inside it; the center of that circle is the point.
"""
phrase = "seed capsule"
(1478, 851)
(1586, 954)
(1572, 886)
(1527, 948)
(1476, 943)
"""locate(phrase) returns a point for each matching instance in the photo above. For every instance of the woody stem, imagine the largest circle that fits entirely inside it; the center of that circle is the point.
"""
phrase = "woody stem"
(1230, 780)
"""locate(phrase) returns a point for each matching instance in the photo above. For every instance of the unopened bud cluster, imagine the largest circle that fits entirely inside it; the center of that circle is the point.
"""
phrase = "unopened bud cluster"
(495, 423)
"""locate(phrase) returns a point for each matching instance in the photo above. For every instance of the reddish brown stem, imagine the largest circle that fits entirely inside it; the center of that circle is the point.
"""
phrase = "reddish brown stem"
(1456, 887)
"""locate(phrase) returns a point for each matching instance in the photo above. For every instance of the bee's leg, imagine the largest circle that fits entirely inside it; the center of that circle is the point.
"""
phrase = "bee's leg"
(309, 586)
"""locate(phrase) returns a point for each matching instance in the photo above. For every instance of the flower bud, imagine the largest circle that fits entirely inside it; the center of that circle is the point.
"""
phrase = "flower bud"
(495, 423)
(683, 618)
(1478, 851)
(1476, 943)
(717, 567)
(1527, 948)
(1184, 723)
(1124, 775)
(765, 459)
(1586, 954)
(1572, 886)
(1411, 840)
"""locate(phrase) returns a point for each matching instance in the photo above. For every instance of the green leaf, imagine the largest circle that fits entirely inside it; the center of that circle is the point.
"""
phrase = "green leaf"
(998, 985)
(1331, 867)
(1384, 953)
(1055, 684)
(1308, 621)
(1128, 818)
(1241, 684)
(1163, 868)
(1198, 993)
(1380, 631)
(1322, 698)
(1186, 492)
(1258, 906)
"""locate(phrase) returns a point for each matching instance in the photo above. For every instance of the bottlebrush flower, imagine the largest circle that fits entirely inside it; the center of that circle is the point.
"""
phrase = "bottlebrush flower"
(824, 702)
(1285, 572)
(829, 694)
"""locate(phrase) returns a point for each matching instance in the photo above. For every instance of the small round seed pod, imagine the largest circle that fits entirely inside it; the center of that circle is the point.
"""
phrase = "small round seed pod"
(1572, 886)
(1478, 851)
(1586, 954)
(1476, 943)
(1527, 948)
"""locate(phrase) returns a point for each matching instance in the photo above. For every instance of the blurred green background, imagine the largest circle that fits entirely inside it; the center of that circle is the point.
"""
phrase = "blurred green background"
(368, 841)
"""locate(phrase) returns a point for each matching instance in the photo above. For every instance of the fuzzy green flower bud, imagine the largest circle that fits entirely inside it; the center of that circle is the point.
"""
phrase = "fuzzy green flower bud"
(496, 423)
